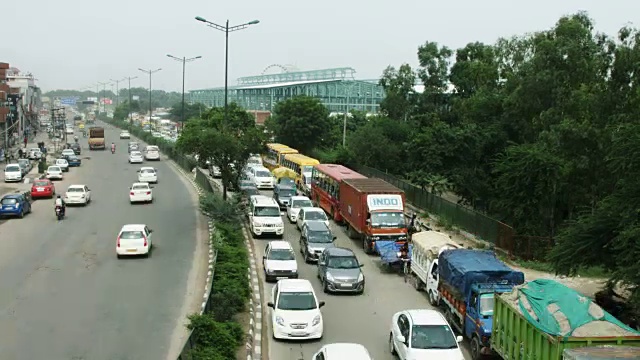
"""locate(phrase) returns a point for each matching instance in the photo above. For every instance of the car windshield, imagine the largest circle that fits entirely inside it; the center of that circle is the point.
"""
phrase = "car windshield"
(307, 169)
(136, 153)
(152, 148)
(75, 189)
(301, 203)
(9, 201)
(286, 193)
(54, 169)
(296, 301)
(72, 157)
(486, 304)
(343, 262)
(61, 161)
(432, 337)
(12, 168)
(263, 174)
(267, 211)
(41, 183)
(281, 254)
(323, 237)
(287, 182)
(131, 235)
(141, 187)
(315, 215)
(251, 191)
(23, 161)
(254, 161)
(148, 171)
(307, 178)
(388, 219)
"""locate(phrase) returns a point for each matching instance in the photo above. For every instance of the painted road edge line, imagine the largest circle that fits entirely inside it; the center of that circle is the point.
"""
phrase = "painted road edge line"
(254, 337)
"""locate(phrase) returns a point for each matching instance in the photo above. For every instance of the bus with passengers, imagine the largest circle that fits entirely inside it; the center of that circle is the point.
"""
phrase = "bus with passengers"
(325, 187)
(271, 159)
(303, 166)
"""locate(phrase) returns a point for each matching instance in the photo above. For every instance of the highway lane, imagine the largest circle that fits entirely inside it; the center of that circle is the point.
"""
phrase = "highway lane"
(65, 295)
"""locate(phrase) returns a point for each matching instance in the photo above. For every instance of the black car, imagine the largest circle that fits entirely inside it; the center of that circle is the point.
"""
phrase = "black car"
(76, 148)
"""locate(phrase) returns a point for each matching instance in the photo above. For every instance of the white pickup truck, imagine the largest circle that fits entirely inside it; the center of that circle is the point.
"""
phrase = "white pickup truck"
(427, 246)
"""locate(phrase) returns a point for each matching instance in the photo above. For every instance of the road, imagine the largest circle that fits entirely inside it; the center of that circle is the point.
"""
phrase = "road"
(65, 295)
(363, 319)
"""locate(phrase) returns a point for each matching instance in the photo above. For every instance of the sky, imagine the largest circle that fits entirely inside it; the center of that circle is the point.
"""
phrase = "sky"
(73, 44)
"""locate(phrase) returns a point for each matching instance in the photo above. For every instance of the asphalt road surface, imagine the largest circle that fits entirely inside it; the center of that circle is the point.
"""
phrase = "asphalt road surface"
(64, 293)
(363, 319)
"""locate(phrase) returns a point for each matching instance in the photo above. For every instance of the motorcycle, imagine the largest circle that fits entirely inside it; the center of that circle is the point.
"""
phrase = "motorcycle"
(113, 150)
(59, 213)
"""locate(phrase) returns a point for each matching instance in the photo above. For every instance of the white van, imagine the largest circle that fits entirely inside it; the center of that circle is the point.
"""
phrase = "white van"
(261, 177)
(264, 216)
(12, 172)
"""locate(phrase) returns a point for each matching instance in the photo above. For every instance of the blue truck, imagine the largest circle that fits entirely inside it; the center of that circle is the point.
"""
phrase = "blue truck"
(467, 281)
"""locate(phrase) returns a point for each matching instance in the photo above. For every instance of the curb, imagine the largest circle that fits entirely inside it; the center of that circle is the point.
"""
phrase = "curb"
(254, 336)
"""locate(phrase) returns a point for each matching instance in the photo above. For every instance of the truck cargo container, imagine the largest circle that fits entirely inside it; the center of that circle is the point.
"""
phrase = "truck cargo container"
(96, 138)
(542, 319)
(467, 282)
(373, 210)
(602, 353)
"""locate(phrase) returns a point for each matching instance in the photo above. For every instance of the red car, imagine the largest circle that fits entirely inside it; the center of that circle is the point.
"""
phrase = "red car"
(42, 188)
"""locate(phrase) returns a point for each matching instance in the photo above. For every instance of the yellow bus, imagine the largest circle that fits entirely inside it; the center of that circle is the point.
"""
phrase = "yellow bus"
(271, 158)
(302, 165)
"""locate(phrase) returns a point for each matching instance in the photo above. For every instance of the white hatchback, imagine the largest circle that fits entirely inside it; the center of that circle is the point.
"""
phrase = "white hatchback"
(12, 172)
(140, 192)
(67, 152)
(135, 157)
(297, 203)
(77, 194)
(63, 164)
(295, 313)
(148, 174)
(311, 214)
(134, 239)
(54, 172)
(125, 135)
(279, 261)
(152, 152)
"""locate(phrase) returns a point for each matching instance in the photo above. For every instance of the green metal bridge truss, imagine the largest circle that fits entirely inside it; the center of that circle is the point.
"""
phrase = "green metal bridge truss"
(336, 88)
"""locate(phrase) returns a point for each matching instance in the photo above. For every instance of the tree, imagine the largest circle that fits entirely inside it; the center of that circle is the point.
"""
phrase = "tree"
(191, 111)
(122, 111)
(301, 122)
(227, 143)
(399, 91)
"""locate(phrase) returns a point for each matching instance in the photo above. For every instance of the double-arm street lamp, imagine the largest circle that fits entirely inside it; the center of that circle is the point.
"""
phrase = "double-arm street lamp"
(150, 72)
(129, 103)
(117, 82)
(184, 62)
(226, 29)
(104, 96)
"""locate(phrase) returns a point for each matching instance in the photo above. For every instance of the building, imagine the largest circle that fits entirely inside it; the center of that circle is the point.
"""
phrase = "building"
(337, 88)
(24, 103)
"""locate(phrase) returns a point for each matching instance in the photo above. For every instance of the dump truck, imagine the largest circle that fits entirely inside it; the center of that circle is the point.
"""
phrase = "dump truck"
(373, 211)
(96, 138)
(546, 320)
(607, 352)
(467, 283)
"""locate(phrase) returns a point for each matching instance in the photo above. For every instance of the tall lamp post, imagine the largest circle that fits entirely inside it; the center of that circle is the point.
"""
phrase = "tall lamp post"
(117, 82)
(184, 62)
(129, 107)
(104, 94)
(150, 72)
(226, 29)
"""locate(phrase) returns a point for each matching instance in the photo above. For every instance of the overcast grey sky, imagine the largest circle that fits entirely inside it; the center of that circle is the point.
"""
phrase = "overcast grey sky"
(73, 44)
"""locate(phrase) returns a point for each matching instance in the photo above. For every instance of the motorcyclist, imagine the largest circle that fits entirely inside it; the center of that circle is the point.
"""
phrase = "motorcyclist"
(75, 138)
(113, 147)
(59, 203)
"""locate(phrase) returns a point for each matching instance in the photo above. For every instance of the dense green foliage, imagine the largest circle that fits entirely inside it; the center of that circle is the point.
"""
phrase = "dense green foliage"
(159, 98)
(539, 131)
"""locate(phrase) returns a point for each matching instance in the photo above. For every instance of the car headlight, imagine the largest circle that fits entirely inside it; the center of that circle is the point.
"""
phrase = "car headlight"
(361, 277)
(330, 277)
(17, 205)
(279, 321)
(316, 320)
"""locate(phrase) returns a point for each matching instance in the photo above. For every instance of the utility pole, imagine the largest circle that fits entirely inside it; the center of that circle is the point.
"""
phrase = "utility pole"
(104, 94)
(129, 105)
(150, 72)
(59, 115)
(118, 90)
(184, 62)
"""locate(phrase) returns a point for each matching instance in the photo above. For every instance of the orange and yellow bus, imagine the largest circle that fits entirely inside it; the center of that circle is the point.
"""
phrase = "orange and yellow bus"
(303, 166)
(271, 158)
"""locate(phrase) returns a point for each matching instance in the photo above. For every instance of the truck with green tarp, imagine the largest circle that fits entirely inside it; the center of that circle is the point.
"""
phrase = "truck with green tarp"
(602, 353)
(541, 319)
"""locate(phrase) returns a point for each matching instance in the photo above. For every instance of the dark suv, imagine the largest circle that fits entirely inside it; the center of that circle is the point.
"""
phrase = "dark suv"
(76, 148)
(314, 238)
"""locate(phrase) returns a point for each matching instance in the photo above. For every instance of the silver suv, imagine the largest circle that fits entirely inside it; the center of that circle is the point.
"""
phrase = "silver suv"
(340, 271)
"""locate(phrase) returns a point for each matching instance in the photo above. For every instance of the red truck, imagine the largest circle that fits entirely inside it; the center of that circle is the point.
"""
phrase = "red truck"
(373, 210)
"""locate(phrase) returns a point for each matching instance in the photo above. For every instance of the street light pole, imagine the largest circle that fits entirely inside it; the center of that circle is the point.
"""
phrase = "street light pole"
(129, 104)
(150, 72)
(104, 94)
(184, 62)
(118, 90)
(226, 29)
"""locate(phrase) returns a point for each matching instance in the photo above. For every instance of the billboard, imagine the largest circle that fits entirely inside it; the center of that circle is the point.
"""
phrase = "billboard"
(71, 100)
(135, 98)
(106, 101)
(94, 99)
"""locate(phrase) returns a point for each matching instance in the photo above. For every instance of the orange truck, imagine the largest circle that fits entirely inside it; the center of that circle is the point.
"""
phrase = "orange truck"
(374, 211)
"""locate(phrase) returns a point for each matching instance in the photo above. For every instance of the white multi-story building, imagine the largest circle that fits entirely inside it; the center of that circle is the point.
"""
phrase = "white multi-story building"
(30, 102)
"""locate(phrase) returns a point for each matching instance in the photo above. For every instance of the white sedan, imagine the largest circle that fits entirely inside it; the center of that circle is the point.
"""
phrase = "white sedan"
(77, 194)
(140, 192)
(134, 239)
(135, 157)
(148, 174)
(152, 152)
(63, 164)
(125, 135)
(311, 214)
(67, 152)
(54, 172)
(297, 203)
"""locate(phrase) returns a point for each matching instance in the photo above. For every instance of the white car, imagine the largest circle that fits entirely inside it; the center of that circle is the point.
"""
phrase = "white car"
(140, 192)
(34, 154)
(214, 171)
(67, 152)
(148, 174)
(279, 261)
(69, 131)
(152, 152)
(54, 172)
(135, 157)
(311, 214)
(77, 194)
(423, 334)
(134, 239)
(254, 161)
(341, 351)
(156, 134)
(264, 217)
(297, 203)
(63, 164)
(261, 177)
(125, 135)
(12, 172)
(295, 313)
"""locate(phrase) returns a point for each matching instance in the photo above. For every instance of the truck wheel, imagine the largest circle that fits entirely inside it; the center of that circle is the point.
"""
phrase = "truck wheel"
(432, 299)
(475, 349)
(365, 247)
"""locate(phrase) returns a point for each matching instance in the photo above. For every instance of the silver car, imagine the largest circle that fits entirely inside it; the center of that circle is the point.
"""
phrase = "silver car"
(315, 237)
(340, 271)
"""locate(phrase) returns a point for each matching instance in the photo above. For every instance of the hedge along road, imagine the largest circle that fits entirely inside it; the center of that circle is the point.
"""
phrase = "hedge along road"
(364, 319)
(65, 295)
